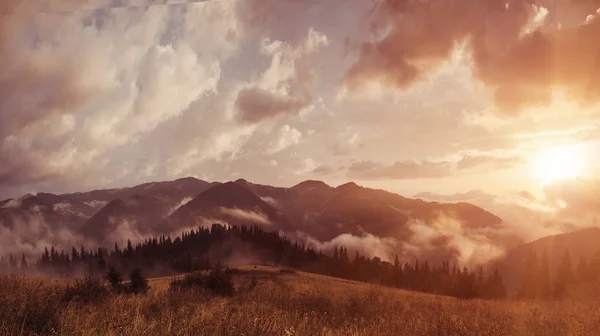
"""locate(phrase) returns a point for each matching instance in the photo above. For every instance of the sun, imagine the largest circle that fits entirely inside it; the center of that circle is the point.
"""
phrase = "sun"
(558, 163)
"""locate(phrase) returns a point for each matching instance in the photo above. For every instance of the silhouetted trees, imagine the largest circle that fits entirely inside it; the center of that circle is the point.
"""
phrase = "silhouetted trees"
(568, 280)
(530, 284)
(115, 279)
(138, 282)
(197, 250)
(545, 283)
(564, 276)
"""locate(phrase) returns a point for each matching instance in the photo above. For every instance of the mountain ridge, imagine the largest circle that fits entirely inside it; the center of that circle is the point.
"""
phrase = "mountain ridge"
(310, 210)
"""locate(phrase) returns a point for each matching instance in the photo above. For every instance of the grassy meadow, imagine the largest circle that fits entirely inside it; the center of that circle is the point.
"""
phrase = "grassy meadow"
(282, 303)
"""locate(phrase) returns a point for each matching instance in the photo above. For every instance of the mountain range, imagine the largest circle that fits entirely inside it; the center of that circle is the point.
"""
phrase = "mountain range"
(374, 221)
(309, 210)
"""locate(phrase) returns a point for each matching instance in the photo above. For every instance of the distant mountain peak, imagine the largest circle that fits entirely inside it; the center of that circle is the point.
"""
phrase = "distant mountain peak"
(311, 184)
(44, 194)
(231, 185)
(6, 202)
(348, 186)
(188, 179)
(117, 202)
(223, 192)
(26, 196)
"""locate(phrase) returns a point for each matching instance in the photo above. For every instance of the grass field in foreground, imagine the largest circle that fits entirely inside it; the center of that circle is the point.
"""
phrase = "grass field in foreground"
(283, 304)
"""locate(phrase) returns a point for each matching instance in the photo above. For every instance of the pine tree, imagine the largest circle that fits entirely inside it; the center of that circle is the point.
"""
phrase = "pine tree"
(545, 285)
(115, 278)
(594, 267)
(74, 254)
(564, 276)
(530, 279)
(24, 263)
(582, 275)
(139, 283)
(344, 254)
(12, 263)
(496, 286)
(480, 284)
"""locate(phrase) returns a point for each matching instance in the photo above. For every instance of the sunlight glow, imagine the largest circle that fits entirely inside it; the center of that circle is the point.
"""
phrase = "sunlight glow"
(558, 163)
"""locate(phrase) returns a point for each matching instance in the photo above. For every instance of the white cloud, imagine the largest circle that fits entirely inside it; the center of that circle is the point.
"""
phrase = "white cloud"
(285, 87)
(249, 215)
(104, 80)
(288, 136)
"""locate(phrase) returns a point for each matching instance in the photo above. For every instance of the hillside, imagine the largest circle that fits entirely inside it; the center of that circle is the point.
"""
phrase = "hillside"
(582, 244)
(120, 218)
(287, 303)
(228, 203)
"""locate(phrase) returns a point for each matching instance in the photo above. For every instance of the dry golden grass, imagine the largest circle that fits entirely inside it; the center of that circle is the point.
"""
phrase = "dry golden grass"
(284, 304)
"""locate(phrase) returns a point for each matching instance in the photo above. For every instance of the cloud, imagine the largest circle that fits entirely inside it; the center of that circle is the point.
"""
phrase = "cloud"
(77, 85)
(29, 233)
(285, 88)
(369, 170)
(255, 104)
(447, 239)
(516, 48)
(428, 168)
(353, 142)
(271, 201)
(443, 239)
(578, 201)
(123, 230)
(323, 170)
(308, 165)
(459, 197)
(183, 202)
(288, 136)
(247, 215)
(96, 204)
(367, 244)
(11, 203)
(472, 160)
(563, 206)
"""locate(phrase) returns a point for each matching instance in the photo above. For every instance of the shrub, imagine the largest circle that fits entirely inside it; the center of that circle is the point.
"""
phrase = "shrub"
(189, 281)
(139, 283)
(85, 290)
(115, 279)
(219, 281)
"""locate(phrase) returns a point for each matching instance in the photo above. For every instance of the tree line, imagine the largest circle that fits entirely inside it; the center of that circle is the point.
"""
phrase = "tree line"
(200, 249)
(537, 281)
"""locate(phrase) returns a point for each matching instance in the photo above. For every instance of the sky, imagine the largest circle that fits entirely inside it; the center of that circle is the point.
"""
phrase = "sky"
(495, 102)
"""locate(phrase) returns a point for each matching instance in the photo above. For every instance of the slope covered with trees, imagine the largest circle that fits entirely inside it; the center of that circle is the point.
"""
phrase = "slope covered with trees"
(199, 249)
(569, 279)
